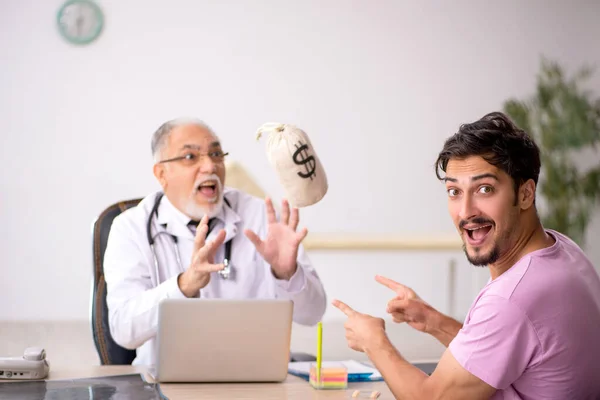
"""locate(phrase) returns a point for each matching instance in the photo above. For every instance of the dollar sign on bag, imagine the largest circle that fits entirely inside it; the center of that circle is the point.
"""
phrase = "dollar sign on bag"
(301, 157)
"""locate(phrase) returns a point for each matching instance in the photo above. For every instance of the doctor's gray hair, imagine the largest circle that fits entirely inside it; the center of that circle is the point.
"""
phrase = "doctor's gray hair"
(161, 136)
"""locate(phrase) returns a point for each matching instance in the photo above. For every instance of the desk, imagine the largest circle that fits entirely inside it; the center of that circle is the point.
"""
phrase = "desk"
(293, 388)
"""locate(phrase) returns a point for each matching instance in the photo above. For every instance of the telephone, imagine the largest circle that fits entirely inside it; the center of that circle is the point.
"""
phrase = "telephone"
(33, 365)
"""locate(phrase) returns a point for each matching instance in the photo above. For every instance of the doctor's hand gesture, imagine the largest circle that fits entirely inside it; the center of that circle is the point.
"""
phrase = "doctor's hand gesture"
(280, 247)
(198, 273)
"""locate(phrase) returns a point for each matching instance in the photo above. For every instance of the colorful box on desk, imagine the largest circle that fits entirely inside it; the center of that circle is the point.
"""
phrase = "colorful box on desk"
(331, 377)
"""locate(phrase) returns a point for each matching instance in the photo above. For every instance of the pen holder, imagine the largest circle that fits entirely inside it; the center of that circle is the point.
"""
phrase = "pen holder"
(331, 377)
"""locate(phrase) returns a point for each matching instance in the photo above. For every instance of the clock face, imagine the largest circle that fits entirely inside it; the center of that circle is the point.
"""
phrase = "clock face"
(80, 21)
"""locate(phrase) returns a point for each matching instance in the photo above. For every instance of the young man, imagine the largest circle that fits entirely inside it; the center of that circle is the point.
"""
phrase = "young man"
(533, 331)
(264, 256)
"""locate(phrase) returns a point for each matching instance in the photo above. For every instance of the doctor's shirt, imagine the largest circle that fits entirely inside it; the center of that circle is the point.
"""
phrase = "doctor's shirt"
(135, 286)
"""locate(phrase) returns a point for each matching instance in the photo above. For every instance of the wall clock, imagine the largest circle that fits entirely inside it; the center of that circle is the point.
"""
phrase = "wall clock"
(80, 21)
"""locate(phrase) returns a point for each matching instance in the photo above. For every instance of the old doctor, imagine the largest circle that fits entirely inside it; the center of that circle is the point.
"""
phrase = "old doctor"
(198, 238)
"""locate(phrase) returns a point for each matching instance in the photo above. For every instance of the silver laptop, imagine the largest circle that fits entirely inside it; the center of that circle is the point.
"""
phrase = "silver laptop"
(218, 340)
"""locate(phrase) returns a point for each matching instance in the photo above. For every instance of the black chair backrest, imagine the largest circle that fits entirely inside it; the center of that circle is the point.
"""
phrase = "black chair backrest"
(108, 350)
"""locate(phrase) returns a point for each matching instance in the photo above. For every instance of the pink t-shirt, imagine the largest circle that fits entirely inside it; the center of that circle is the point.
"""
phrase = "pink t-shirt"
(534, 332)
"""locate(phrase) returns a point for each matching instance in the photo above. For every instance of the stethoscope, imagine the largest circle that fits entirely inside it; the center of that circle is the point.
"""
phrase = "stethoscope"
(225, 272)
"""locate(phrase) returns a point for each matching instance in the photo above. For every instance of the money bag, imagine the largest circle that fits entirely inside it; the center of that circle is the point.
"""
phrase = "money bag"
(293, 157)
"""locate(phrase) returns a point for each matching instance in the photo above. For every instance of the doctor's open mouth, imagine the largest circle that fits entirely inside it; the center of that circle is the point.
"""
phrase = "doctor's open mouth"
(208, 189)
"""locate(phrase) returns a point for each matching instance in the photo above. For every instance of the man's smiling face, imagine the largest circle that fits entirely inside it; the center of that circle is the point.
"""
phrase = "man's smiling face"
(481, 202)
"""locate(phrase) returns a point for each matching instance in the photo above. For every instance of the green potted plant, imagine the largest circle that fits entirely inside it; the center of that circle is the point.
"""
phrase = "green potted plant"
(564, 119)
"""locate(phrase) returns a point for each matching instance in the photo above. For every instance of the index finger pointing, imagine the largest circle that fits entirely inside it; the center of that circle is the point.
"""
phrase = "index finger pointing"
(389, 283)
(345, 308)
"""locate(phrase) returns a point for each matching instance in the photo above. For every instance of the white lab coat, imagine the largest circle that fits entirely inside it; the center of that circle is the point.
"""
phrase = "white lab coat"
(132, 291)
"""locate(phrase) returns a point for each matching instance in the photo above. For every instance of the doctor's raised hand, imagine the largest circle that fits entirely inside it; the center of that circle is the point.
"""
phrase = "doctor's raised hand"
(202, 265)
(280, 247)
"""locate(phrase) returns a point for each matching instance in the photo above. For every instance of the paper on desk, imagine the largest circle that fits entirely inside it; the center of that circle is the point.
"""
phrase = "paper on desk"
(356, 370)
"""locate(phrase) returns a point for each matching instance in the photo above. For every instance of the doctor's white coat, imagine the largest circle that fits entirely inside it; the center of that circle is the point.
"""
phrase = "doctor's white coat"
(135, 288)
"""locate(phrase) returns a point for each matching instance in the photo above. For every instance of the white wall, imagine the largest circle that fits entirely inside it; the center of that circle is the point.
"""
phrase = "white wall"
(377, 85)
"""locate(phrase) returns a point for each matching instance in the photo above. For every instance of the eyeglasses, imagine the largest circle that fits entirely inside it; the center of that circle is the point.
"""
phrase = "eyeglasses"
(192, 157)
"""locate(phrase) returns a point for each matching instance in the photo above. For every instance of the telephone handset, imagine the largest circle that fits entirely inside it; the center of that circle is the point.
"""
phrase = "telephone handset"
(33, 365)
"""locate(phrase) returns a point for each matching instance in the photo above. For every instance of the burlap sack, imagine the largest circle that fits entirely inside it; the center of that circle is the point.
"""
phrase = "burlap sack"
(300, 171)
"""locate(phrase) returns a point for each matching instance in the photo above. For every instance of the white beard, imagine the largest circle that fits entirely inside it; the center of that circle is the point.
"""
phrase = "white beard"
(196, 211)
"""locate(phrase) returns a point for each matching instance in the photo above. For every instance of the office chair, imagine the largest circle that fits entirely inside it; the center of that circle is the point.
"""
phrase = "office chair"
(109, 351)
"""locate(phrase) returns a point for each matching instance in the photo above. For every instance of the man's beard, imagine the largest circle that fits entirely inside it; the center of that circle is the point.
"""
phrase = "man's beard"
(196, 211)
(479, 259)
(483, 260)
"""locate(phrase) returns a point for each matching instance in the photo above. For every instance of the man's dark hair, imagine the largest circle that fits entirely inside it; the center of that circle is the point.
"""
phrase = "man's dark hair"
(498, 141)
